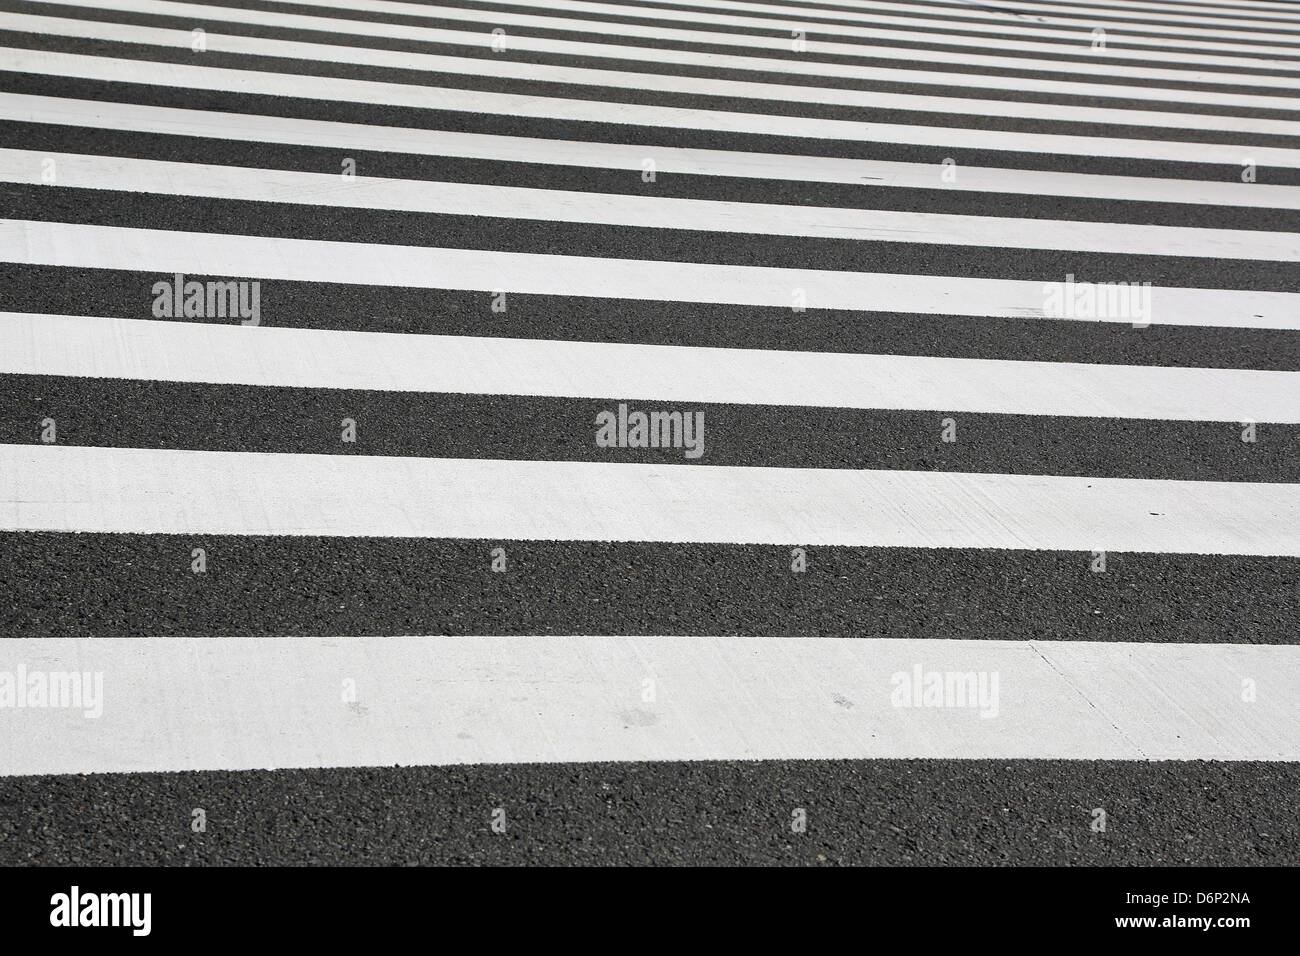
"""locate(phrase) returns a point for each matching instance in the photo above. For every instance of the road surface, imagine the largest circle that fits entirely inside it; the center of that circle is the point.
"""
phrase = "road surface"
(649, 431)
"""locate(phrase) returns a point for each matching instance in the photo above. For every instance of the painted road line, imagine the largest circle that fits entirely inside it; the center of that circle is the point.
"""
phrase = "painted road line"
(1145, 15)
(967, 19)
(646, 54)
(1068, 45)
(179, 351)
(252, 128)
(150, 491)
(1202, 13)
(609, 79)
(274, 703)
(337, 90)
(215, 254)
(690, 38)
(650, 212)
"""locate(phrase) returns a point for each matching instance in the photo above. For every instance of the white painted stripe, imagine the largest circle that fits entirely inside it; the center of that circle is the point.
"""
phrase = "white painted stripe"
(421, 267)
(504, 67)
(1125, 7)
(179, 351)
(152, 491)
(251, 128)
(483, 38)
(1254, 15)
(969, 19)
(275, 703)
(1046, 12)
(1251, 56)
(1225, 6)
(333, 89)
(556, 205)
(1138, 8)
(657, 82)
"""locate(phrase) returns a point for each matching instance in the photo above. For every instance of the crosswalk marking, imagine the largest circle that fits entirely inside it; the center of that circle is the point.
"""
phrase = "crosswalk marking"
(1162, 10)
(373, 92)
(1078, 45)
(394, 476)
(251, 128)
(644, 54)
(181, 351)
(157, 251)
(620, 79)
(178, 492)
(557, 205)
(1049, 12)
(970, 20)
(452, 700)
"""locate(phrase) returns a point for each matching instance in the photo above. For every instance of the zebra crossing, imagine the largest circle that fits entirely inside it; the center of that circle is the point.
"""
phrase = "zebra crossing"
(988, 317)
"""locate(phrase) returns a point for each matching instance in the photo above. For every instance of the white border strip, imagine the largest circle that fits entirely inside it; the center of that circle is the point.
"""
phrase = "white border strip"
(309, 260)
(1067, 46)
(612, 79)
(970, 20)
(177, 351)
(647, 211)
(1139, 10)
(336, 90)
(150, 491)
(766, 65)
(1039, 12)
(275, 703)
(253, 128)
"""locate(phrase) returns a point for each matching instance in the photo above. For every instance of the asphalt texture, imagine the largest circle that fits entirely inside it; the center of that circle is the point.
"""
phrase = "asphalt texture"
(366, 308)
(183, 415)
(541, 237)
(880, 812)
(124, 585)
(174, 147)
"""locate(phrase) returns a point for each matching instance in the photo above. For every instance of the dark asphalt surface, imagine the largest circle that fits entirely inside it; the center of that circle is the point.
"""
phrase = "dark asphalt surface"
(775, 106)
(126, 413)
(548, 128)
(954, 24)
(368, 308)
(885, 812)
(543, 237)
(919, 812)
(83, 585)
(668, 185)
